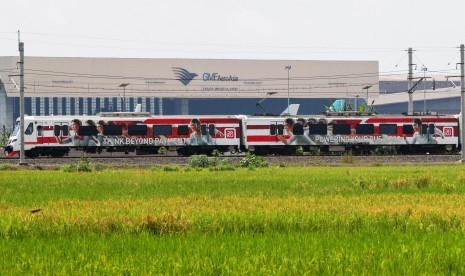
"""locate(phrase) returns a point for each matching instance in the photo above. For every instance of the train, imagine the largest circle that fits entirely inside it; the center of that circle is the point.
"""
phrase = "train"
(144, 133)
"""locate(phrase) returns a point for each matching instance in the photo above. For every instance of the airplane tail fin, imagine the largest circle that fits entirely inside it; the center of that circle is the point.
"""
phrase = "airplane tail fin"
(291, 110)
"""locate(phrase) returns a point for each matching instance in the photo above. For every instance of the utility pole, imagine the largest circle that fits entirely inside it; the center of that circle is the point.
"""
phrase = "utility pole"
(288, 68)
(424, 69)
(22, 157)
(123, 103)
(367, 87)
(462, 94)
(410, 83)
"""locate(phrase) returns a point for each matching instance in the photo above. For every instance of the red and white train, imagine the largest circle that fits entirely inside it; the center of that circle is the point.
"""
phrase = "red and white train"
(145, 134)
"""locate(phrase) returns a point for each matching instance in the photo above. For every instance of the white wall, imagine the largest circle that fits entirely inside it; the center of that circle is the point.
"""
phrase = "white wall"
(89, 77)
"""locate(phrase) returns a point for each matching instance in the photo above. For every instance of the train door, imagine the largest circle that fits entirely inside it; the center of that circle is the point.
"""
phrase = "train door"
(209, 132)
(39, 127)
(29, 134)
(276, 128)
(61, 130)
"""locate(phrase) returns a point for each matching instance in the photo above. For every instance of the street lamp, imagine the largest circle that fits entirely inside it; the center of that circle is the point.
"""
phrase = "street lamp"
(367, 87)
(124, 95)
(288, 68)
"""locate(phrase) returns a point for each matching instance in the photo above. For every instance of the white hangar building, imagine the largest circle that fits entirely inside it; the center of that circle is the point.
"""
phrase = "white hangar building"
(72, 86)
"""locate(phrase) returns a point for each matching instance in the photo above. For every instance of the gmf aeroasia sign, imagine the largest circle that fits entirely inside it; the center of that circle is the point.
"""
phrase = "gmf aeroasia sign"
(185, 77)
(218, 77)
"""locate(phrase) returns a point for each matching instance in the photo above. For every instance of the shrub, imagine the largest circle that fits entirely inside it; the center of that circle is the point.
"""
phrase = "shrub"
(162, 150)
(385, 150)
(4, 136)
(202, 161)
(252, 160)
(84, 165)
(299, 150)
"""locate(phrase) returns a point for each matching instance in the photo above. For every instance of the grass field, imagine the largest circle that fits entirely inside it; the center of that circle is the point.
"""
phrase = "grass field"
(294, 220)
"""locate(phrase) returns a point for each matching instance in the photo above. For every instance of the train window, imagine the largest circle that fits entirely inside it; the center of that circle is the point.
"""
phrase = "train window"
(341, 129)
(211, 129)
(407, 129)
(365, 129)
(137, 130)
(64, 129)
(424, 128)
(280, 129)
(183, 130)
(112, 130)
(56, 130)
(431, 128)
(318, 129)
(203, 129)
(39, 131)
(29, 129)
(273, 129)
(388, 129)
(162, 130)
(298, 129)
(88, 131)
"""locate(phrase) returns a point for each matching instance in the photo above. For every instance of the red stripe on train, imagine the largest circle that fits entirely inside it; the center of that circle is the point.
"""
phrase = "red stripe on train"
(256, 138)
(186, 121)
(409, 120)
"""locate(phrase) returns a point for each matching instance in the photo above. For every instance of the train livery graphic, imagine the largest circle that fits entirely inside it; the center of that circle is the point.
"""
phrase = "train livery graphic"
(145, 134)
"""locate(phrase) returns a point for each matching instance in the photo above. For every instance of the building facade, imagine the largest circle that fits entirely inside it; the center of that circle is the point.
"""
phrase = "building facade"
(72, 86)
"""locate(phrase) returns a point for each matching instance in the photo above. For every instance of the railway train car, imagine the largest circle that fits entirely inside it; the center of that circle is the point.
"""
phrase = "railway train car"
(359, 133)
(145, 134)
(125, 132)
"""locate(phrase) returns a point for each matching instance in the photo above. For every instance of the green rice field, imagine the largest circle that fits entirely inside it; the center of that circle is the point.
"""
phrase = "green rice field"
(264, 221)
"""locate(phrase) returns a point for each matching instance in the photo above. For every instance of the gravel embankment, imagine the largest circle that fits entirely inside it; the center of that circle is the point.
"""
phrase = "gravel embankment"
(148, 161)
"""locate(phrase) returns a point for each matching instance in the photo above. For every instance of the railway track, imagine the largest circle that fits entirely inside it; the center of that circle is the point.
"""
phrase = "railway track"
(148, 161)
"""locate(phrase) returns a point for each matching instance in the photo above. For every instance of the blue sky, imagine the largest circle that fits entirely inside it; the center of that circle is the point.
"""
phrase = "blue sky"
(291, 29)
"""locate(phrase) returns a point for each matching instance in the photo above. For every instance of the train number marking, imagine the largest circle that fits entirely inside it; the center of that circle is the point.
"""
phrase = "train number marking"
(230, 133)
(448, 132)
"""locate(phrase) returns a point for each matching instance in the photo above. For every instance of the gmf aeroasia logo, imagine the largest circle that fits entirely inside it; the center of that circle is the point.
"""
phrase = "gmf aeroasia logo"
(218, 77)
(185, 76)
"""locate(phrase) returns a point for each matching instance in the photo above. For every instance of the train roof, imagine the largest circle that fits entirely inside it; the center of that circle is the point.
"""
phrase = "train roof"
(126, 116)
(118, 117)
